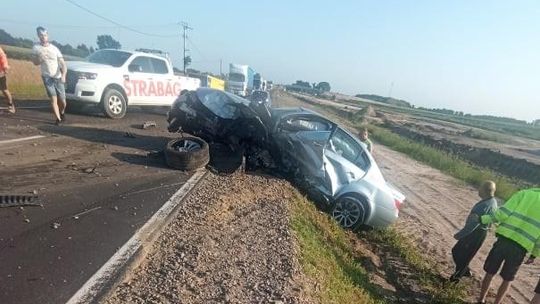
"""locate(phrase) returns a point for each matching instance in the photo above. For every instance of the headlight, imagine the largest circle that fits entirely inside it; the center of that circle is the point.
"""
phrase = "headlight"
(85, 75)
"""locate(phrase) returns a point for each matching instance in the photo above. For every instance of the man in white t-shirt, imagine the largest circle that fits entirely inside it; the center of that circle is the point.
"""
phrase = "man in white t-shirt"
(53, 72)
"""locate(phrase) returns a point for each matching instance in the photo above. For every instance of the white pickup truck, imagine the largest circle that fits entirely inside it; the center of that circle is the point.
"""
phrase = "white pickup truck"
(116, 79)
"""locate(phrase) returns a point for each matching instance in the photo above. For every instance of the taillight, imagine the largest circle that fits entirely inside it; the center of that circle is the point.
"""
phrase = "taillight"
(398, 203)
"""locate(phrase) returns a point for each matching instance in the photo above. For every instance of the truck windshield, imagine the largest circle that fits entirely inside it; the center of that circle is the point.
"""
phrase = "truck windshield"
(109, 57)
(237, 77)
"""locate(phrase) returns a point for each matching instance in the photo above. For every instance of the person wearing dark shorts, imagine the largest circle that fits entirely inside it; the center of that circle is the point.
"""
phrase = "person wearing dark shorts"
(518, 233)
(4, 67)
(472, 235)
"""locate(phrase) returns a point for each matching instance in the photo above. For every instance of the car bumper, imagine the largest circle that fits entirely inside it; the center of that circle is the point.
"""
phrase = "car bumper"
(85, 92)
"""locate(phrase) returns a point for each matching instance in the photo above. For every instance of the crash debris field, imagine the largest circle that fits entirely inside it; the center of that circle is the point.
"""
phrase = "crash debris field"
(230, 240)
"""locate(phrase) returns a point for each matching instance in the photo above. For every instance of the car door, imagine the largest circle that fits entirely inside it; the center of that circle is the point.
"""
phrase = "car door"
(141, 74)
(166, 86)
(303, 138)
(346, 160)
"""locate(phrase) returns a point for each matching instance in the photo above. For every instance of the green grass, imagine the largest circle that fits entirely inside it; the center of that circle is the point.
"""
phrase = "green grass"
(331, 260)
(445, 162)
(326, 257)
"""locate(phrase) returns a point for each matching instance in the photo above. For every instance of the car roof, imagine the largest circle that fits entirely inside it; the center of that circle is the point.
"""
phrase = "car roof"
(135, 53)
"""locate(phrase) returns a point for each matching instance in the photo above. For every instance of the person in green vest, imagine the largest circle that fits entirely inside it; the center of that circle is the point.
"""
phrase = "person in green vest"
(518, 233)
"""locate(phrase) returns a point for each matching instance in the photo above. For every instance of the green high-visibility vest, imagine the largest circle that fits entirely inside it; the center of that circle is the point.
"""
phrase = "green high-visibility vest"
(519, 220)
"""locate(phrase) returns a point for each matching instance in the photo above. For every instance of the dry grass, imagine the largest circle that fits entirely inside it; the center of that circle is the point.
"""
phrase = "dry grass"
(24, 80)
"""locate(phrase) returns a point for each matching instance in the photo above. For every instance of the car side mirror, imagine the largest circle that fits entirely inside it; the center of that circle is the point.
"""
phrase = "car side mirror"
(134, 68)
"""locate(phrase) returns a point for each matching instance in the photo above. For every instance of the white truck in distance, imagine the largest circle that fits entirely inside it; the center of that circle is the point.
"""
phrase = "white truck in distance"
(116, 79)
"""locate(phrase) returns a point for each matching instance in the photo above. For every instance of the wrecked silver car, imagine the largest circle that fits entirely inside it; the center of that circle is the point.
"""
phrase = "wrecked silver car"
(323, 159)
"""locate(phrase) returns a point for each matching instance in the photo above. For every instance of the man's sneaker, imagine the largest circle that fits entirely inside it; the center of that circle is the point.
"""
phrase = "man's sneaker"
(11, 109)
(63, 117)
(58, 122)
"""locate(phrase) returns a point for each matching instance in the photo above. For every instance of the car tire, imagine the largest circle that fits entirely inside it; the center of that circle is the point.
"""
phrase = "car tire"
(114, 104)
(350, 211)
(187, 153)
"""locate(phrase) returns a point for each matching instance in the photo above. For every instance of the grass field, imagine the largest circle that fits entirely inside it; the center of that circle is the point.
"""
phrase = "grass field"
(24, 80)
(517, 129)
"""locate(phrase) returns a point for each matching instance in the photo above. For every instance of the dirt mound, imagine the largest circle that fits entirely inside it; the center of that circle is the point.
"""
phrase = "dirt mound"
(230, 244)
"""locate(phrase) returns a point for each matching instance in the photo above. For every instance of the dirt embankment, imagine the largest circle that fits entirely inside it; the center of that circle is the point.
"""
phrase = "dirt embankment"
(230, 244)
(487, 158)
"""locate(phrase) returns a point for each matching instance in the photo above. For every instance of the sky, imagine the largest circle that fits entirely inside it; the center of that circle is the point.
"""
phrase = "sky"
(479, 57)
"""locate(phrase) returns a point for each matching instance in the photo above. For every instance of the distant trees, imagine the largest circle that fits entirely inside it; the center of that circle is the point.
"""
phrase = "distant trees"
(82, 50)
(107, 42)
(302, 83)
(323, 86)
(536, 123)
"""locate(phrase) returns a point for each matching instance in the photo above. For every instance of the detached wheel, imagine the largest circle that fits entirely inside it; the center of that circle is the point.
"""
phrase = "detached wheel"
(187, 153)
(114, 104)
(350, 212)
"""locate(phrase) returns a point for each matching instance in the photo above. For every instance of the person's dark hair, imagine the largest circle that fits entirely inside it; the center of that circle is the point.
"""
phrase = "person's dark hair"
(40, 29)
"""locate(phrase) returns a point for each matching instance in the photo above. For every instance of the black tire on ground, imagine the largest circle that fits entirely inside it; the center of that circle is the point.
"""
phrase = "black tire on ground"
(350, 211)
(193, 153)
(114, 104)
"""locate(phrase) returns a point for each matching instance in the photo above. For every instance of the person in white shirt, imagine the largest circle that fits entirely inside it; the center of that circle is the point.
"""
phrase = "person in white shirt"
(53, 72)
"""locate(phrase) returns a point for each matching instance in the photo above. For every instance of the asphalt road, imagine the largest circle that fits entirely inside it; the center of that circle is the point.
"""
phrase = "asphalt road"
(97, 181)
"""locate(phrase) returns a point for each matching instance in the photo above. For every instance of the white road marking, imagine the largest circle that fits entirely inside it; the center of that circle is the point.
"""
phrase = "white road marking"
(9, 141)
(96, 284)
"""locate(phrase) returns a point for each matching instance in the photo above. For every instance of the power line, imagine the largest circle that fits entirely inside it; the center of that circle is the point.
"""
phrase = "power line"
(116, 23)
(76, 26)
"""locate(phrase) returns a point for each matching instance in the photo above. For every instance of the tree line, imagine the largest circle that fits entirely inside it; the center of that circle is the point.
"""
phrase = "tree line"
(81, 50)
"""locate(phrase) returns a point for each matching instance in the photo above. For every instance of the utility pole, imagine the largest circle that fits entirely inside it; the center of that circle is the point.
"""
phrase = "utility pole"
(185, 27)
(220, 67)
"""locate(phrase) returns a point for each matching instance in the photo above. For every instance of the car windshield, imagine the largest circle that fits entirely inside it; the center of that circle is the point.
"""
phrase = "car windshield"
(109, 57)
(222, 104)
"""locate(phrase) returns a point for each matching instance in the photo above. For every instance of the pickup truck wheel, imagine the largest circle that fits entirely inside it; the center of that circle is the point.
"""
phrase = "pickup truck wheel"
(187, 153)
(350, 212)
(114, 104)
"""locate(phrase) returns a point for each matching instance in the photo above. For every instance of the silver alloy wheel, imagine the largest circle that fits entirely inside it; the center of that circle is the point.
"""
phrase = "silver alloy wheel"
(347, 212)
(115, 104)
(187, 145)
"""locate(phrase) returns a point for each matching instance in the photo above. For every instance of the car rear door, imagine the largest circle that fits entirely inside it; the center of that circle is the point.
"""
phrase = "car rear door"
(141, 74)
(167, 86)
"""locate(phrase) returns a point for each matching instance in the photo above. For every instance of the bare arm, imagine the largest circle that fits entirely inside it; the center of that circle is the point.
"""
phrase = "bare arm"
(63, 68)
